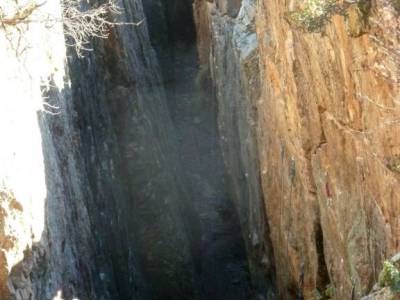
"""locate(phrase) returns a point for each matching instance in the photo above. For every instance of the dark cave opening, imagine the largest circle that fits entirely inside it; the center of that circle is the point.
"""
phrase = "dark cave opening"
(222, 269)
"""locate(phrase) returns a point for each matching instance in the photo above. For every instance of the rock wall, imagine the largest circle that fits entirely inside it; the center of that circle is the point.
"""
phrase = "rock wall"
(228, 51)
(315, 116)
(98, 133)
(94, 199)
(222, 261)
(31, 56)
(329, 141)
(121, 109)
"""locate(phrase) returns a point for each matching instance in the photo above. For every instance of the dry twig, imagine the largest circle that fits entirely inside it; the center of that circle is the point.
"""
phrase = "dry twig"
(80, 23)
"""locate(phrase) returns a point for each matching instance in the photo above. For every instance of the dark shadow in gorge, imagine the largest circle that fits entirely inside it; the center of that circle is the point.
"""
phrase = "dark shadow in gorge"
(223, 270)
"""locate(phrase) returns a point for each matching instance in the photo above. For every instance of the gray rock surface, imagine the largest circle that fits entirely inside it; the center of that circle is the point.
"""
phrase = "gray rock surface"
(228, 47)
(150, 163)
(114, 203)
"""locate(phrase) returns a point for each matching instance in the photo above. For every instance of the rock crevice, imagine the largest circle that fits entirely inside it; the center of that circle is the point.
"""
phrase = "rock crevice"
(213, 151)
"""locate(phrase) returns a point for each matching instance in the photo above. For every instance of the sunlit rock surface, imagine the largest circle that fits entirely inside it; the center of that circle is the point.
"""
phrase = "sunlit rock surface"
(30, 57)
(253, 159)
(328, 137)
(91, 165)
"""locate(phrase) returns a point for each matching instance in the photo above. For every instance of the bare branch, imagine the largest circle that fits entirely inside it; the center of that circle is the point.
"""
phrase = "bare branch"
(80, 23)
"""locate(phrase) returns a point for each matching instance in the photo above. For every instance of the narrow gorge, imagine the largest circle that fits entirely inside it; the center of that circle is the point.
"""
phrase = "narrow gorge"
(199, 149)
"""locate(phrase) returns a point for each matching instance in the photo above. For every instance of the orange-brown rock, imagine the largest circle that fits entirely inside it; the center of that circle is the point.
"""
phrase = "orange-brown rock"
(105, 157)
(328, 138)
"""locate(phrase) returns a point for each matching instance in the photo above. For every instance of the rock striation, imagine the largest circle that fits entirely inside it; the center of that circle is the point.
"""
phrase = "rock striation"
(314, 115)
(228, 50)
(328, 140)
(113, 210)
(216, 149)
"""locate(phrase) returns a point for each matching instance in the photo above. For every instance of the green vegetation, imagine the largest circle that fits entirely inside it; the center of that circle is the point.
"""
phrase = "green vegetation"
(329, 292)
(390, 277)
(314, 14)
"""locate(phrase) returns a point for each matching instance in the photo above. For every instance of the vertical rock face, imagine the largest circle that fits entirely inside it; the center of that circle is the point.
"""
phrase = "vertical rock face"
(139, 174)
(230, 8)
(127, 214)
(111, 205)
(325, 108)
(329, 139)
(228, 51)
(121, 110)
(221, 255)
(31, 57)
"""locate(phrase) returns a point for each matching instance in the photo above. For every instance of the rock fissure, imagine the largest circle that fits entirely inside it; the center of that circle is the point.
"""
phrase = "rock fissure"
(212, 151)
(221, 257)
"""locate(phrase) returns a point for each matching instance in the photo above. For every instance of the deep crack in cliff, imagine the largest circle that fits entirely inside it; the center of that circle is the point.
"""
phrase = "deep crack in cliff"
(265, 166)
(221, 258)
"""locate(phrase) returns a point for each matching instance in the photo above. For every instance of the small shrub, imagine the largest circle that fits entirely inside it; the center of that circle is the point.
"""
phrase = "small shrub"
(329, 292)
(314, 14)
(390, 277)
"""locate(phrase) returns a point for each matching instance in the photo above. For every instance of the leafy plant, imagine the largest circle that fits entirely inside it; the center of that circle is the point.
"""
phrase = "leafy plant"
(314, 14)
(329, 291)
(390, 277)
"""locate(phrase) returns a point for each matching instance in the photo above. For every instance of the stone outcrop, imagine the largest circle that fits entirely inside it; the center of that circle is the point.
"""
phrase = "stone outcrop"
(113, 210)
(228, 50)
(289, 144)
(122, 114)
(328, 139)
(324, 107)
(221, 256)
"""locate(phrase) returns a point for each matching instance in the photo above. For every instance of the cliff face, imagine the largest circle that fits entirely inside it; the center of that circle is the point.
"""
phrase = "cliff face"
(214, 150)
(221, 256)
(110, 201)
(228, 51)
(122, 113)
(329, 142)
(324, 107)
(29, 60)
(127, 211)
